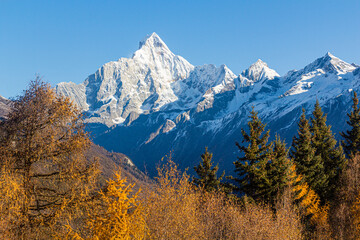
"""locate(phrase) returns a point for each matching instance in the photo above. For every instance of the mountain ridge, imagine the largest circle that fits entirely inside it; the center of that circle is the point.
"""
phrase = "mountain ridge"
(159, 102)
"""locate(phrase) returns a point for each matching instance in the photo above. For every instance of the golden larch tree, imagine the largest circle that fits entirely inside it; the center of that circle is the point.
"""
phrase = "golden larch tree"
(42, 144)
(118, 213)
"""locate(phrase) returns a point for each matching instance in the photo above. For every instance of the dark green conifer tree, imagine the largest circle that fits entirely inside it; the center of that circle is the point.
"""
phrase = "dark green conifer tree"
(352, 137)
(207, 174)
(311, 167)
(332, 157)
(279, 171)
(251, 168)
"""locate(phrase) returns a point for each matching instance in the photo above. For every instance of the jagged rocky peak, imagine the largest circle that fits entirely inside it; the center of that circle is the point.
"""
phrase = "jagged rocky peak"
(329, 63)
(227, 71)
(209, 76)
(153, 41)
(227, 80)
(259, 71)
(259, 63)
(152, 45)
(151, 48)
(154, 53)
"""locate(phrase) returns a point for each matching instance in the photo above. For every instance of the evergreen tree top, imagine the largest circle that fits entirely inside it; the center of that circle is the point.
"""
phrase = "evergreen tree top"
(251, 168)
(318, 120)
(352, 136)
(316, 154)
(258, 148)
(207, 174)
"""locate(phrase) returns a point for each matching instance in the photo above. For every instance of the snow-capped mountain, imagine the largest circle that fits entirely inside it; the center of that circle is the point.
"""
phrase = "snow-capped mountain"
(259, 71)
(157, 102)
(129, 87)
(153, 79)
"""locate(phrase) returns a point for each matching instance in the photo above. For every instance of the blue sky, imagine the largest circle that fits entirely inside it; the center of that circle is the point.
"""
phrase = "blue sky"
(69, 40)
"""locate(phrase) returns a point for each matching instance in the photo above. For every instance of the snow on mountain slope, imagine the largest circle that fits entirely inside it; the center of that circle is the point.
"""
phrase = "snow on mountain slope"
(129, 87)
(75, 91)
(259, 71)
(153, 79)
(329, 63)
(325, 78)
(202, 85)
(257, 82)
(156, 102)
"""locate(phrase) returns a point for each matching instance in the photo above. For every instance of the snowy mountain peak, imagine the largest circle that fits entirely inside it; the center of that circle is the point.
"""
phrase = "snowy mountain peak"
(153, 41)
(328, 54)
(259, 71)
(329, 58)
(259, 62)
(329, 63)
(154, 53)
(229, 75)
(122, 90)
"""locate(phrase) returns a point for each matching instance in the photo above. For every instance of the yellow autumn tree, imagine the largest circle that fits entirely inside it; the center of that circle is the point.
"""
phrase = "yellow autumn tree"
(118, 214)
(315, 215)
(176, 209)
(310, 202)
(345, 211)
(355, 210)
(10, 205)
(42, 145)
(172, 205)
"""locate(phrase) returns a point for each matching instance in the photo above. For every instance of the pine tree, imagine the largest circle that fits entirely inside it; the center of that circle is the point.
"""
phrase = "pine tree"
(303, 155)
(251, 168)
(279, 171)
(352, 137)
(332, 157)
(208, 179)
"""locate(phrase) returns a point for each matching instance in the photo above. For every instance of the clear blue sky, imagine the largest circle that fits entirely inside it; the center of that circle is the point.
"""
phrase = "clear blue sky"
(69, 40)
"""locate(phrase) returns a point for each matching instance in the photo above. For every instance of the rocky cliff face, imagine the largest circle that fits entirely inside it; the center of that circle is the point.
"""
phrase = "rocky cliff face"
(5, 107)
(157, 102)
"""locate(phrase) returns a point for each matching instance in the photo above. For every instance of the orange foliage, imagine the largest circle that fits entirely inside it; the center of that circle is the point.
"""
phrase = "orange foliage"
(345, 211)
(10, 205)
(118, 213)
(42, 144)
(172, 206)
(316, 216)
(178, 210)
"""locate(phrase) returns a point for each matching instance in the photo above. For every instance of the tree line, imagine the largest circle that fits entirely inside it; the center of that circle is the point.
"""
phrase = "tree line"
(316, 170)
